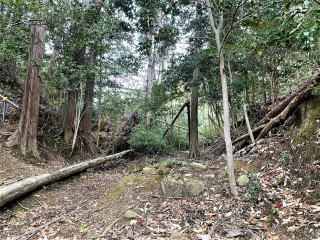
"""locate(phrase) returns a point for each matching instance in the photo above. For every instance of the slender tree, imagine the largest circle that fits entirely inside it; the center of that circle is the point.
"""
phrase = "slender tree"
(217, 27)
(194, 151)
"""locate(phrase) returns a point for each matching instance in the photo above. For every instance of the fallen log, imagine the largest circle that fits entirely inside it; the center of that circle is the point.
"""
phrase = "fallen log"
(256, 130)
(15, 190)
(285, 113)
(283, 104)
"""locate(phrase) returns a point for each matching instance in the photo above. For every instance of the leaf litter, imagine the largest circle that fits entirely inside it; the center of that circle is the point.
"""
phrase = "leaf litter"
(269, 207)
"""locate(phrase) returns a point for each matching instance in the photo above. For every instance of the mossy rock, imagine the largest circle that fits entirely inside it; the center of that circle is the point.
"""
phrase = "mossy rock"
(243, 180)
(171, 163)
(150, 171)
(146, 184)
(173, 188)
(309, 120)
(134, 169)
(198, 166)
(222, 175)
(163, 170)
(194, 187)
(177, 187)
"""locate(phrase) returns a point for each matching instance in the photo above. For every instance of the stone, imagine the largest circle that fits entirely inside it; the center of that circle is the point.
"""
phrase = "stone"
(172, 187)
(149, 170)
(188, 175)
(134, 169)
(222, 175)
(243, 180)
(163, 170)
(179, 236)
(130, 214)
(203, 237)
(133, 222)
(130, 184)
(184, 169)
(233, 233)
(194, 187)
(198, 166)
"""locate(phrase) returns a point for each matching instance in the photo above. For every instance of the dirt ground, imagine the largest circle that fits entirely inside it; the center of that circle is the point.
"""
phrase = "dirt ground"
(91, 205)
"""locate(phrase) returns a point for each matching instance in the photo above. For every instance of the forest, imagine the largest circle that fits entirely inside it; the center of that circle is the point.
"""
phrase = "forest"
(158, 119)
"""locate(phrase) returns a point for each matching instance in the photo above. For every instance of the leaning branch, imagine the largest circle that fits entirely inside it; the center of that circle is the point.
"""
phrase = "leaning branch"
(175, 119)
(283, 104)
(245, 136)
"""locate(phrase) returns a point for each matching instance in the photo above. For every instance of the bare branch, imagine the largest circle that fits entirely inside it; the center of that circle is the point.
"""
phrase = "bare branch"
(317, 1)
(215, 5)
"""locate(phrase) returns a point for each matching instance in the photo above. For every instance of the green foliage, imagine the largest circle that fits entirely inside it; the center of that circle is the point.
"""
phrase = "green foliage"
(273, 215)
(148, 139)
(178, 139)
(171, 162)
(254, 187)
(315, 91)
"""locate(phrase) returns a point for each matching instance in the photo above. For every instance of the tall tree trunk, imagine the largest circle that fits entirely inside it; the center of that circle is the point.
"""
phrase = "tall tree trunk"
(99, 115)
(194, 151)
(217, 28)
(85, 124)
(226, 121)
(151, 75)
(26, 134)
(73, 94)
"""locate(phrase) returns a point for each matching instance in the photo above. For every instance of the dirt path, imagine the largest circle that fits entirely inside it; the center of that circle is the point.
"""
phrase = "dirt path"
(91, 205)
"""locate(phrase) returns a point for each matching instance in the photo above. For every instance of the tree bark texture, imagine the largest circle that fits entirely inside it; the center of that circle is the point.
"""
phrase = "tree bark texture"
(26, 133)
(73, 94)
(85, 124)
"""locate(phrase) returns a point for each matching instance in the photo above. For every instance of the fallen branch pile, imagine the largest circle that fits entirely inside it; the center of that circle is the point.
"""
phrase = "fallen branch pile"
(282, 110)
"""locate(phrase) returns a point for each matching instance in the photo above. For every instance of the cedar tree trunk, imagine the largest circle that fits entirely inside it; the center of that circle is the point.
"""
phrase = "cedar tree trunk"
(26, 134)
(85, 125)
(73, 94)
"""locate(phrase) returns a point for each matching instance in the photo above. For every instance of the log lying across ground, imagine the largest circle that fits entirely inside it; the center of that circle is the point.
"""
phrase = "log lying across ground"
(15, 190)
